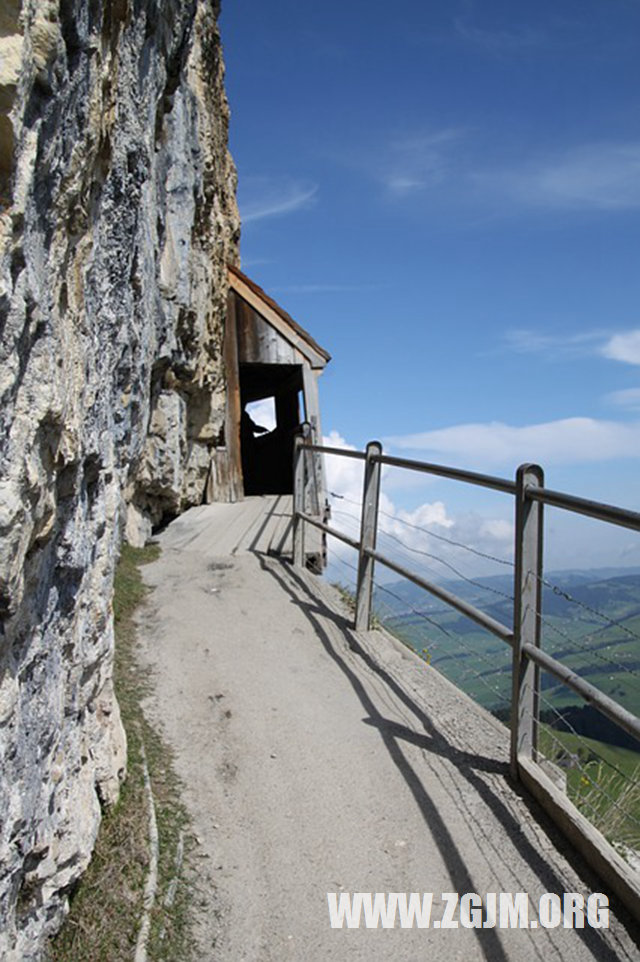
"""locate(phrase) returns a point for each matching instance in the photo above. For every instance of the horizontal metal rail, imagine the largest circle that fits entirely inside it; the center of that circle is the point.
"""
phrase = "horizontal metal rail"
(592, 509)
(342, 452)
(495, 627)
(625, 719)
(332, 531)
(457, 474)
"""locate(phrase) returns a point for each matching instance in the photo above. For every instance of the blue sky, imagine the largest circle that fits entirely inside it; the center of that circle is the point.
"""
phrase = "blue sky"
(447, 196)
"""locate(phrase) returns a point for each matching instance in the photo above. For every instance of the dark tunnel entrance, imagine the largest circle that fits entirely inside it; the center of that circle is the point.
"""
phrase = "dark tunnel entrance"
(267, 449)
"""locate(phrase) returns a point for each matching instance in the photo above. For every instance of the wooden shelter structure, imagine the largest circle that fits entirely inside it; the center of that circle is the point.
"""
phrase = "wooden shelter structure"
(267, 355)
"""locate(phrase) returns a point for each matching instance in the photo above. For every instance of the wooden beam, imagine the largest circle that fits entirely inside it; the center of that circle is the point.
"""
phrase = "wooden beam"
(617, 875)
(312, 416)
(311, 400)
(233, 405)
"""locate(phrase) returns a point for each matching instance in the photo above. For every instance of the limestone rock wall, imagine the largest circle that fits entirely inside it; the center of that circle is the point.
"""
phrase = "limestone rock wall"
(117, 219)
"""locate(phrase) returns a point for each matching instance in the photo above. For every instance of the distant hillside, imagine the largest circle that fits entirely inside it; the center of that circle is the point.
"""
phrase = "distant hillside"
(565, 594)
(581, 584)
(591, 622)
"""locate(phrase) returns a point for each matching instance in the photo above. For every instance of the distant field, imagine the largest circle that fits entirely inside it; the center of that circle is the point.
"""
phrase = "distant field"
(596, 633)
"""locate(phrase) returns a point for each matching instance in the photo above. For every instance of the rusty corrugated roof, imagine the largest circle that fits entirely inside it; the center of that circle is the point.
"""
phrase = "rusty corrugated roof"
(235, 271)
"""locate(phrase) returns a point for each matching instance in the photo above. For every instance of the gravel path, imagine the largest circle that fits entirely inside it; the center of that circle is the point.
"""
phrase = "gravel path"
(319, 760)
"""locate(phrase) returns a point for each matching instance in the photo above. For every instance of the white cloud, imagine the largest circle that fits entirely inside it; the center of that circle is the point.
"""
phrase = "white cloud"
(624, 347)
(263, 413)
(567, 441)
(425, 538)
(427, 514)
(248, 262)
(262, 197)
(430, 541)
(343, 480)
(342, 474)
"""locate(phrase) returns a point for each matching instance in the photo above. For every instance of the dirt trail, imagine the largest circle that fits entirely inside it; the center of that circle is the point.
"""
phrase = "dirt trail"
(317, 760)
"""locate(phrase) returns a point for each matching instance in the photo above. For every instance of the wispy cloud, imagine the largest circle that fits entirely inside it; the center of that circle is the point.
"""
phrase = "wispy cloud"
(628, 398)
(457, 167)
(603, 177)
(556, 346)
(417, 161)
(499, 39)
(324, 288)
(403, 184)
(566, 441)
(255, 262)
(262, 197)
(624, 347)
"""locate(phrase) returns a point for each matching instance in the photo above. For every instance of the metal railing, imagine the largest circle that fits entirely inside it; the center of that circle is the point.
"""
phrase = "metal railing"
(524, 636)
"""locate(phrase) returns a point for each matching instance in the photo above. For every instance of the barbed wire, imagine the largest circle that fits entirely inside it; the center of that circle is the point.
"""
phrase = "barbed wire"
(556, 589)
(433, 645)
(432, 534)
(427, 554)
(459, 640)
(590, 650)
(415, 611)
(581, 766)
(574, 643)
(393, 614)
(562, 593)
(442, 610)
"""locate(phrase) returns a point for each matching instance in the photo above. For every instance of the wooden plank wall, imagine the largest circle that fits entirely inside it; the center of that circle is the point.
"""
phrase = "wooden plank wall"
(258, 341)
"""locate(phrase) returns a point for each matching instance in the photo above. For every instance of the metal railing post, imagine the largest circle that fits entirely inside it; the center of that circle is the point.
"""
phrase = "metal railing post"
(299, 489)
(368, 534)
(526, 616)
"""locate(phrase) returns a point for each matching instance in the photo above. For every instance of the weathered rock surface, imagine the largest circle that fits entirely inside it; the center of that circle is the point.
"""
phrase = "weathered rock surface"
(118, 217)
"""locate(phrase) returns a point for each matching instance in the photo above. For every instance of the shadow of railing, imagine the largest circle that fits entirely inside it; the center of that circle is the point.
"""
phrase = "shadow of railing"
(472, 767)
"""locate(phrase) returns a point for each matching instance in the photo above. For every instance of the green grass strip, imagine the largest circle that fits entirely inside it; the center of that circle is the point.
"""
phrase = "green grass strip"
(106, 905)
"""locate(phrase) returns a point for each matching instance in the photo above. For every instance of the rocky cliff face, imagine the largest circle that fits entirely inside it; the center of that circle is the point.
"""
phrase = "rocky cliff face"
(118, 217)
